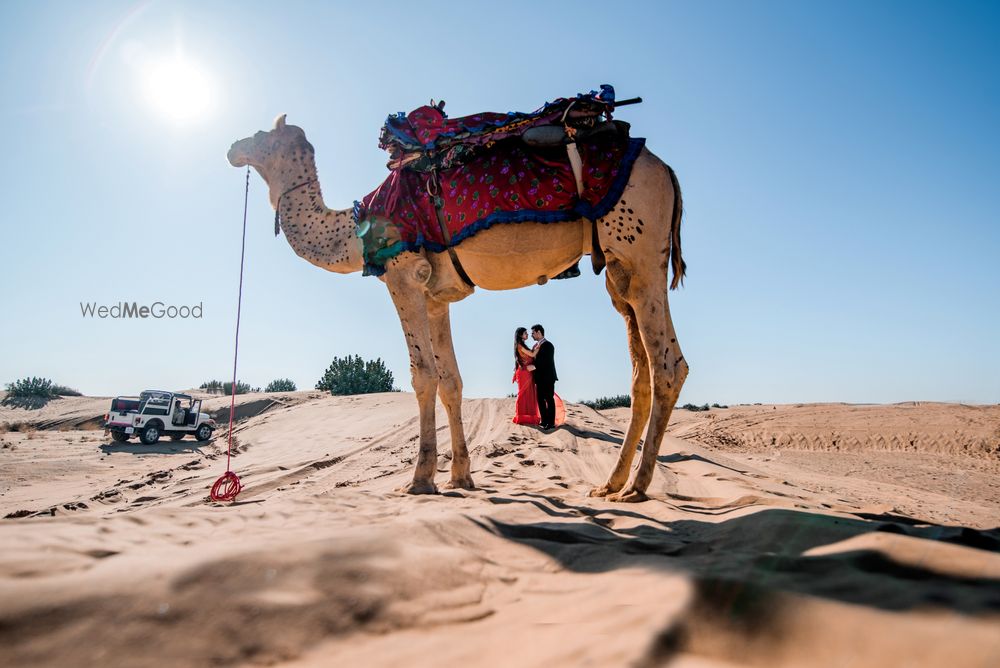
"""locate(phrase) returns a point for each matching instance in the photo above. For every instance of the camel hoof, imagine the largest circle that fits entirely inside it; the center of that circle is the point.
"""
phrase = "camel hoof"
(629, 495)
(420, 487)
(461, 483)
(603, 490)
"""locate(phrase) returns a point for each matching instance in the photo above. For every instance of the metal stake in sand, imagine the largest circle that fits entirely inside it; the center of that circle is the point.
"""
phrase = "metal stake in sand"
(228, 486)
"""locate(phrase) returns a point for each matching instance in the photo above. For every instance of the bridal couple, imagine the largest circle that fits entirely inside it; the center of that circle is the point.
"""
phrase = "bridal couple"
(535, 375)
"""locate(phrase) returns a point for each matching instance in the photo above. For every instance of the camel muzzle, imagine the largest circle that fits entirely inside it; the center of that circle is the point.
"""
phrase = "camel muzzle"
(237, 154)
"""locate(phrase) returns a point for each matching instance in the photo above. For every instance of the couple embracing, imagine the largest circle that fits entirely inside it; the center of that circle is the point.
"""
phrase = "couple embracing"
(535, 375)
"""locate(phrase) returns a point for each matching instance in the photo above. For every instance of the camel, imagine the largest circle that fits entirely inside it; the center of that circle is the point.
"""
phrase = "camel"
(640, 237)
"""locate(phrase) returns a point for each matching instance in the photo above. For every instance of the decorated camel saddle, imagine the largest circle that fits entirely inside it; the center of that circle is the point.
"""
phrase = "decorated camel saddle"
(451, 178)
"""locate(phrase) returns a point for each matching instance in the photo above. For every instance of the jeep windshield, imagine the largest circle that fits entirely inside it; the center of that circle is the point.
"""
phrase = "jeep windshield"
(154, 399)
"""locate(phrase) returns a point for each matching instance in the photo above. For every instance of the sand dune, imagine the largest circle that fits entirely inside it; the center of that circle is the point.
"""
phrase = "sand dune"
(814, 535)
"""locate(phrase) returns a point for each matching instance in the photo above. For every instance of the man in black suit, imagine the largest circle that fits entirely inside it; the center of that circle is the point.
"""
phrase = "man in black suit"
(545, 377)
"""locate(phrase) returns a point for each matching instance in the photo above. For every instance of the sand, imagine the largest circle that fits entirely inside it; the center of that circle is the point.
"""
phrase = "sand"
(800, 535)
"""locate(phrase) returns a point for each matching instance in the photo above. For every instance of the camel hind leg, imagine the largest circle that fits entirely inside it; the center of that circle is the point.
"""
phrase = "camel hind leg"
(641, 391)
(666, 368)
(641, 238)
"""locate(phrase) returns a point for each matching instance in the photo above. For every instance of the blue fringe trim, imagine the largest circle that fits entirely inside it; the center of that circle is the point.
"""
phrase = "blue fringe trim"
(581, 210)
(396, 249)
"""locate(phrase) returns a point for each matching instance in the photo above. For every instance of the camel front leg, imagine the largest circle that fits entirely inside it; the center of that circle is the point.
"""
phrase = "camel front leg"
(405, 277)
(450, 391)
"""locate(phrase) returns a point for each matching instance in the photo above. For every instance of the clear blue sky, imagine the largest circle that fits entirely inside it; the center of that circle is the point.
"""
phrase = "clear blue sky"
(838, 161)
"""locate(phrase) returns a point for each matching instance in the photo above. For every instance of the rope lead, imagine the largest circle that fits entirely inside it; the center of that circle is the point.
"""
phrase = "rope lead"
(228, 486)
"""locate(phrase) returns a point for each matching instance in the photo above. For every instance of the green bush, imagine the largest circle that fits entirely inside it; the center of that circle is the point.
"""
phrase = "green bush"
(692, 407)
(31, 387)
(241, 388)
(353, 375)
(618, 401)
(212, 386)
(280, 385)
(35, 392)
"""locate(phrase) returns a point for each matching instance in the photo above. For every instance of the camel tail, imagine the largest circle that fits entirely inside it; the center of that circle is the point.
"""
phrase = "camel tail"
(676, 261)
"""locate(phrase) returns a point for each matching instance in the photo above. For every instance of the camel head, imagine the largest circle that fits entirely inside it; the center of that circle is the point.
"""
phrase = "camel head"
(282, 156)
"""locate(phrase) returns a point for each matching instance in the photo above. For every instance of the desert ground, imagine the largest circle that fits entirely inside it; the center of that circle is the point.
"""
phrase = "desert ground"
(789, 535)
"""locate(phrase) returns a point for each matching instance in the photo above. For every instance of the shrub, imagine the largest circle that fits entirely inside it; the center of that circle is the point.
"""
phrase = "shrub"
(618, 401)
(22, 427)
(31, 387)
(212, 386)
(241, 388)
(63, 391)
(280, 385)
(353, 375)
(692, 407)
(719, 406)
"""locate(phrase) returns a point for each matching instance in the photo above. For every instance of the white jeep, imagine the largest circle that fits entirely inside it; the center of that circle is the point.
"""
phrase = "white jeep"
(156, 413)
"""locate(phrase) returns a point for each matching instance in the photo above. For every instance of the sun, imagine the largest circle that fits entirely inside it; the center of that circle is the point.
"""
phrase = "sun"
(178, 89)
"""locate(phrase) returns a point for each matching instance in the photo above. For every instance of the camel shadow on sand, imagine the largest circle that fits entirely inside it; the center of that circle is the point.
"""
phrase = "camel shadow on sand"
(589, 433)
(677, 457)
(746, 572)
(747, 559)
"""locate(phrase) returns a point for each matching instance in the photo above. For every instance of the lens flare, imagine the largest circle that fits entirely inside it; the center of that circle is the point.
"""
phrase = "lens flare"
(179, 90)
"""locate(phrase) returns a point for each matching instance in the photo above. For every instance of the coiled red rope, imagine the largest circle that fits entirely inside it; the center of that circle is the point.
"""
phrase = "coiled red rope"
(228, 486)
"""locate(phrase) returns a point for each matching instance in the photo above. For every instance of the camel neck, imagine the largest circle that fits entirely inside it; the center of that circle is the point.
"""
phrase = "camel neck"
(322, 236)
(297, 173)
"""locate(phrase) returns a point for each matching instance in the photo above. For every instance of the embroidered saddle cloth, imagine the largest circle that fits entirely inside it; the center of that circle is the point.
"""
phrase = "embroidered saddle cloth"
(488, 176)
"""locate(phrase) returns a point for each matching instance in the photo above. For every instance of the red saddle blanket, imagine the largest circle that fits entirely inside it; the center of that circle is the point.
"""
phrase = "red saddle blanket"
(508, 183)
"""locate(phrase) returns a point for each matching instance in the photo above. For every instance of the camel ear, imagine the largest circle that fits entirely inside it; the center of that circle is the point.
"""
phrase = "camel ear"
(279, 122)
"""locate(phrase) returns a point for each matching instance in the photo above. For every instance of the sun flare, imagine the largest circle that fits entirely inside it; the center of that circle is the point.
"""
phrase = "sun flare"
(179, 90)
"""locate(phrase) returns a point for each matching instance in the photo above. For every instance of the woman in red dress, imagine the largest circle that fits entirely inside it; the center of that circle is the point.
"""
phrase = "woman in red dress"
(527, 402)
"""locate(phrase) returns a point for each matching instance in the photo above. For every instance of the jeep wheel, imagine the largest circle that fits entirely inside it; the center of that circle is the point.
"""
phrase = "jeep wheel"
(204, 433)
(119, 436)
(150, 435)
(176, 437)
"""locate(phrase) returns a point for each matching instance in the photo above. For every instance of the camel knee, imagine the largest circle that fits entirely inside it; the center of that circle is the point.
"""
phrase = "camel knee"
(642, 388)
(670, 373)
(424, 379)
(640, 367)
(666, 386)
(667, 382)
(450, 387)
